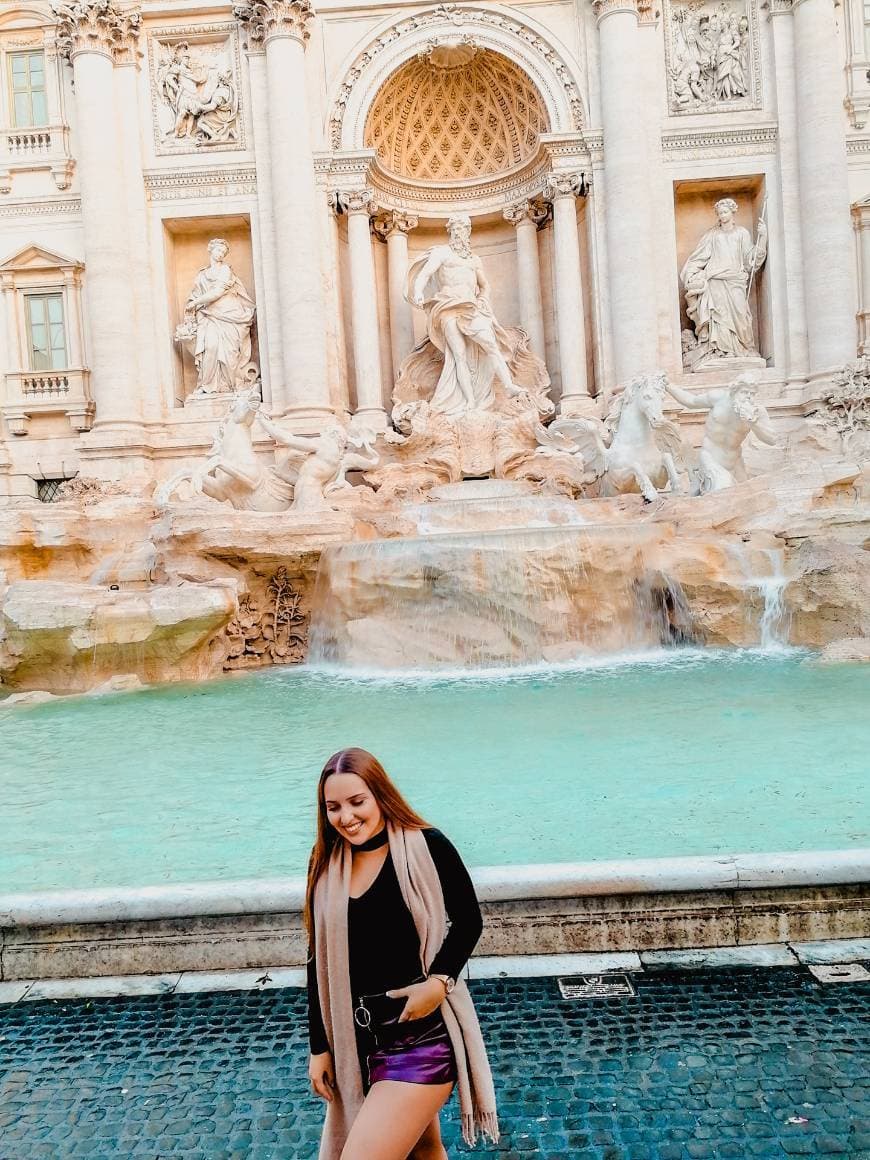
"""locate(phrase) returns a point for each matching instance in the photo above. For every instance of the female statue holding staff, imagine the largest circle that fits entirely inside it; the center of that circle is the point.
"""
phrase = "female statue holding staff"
(716, 279)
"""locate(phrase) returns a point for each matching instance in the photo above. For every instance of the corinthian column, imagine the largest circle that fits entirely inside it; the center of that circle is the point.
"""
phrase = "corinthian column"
(89, 34)
(526, 216)
(282, 25)
(828, 253)
(562, 190)
(394, 226)
(627, 218)
(357, 204)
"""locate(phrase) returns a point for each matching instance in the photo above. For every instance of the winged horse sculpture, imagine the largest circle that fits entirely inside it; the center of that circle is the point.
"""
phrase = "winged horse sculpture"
(636, 450)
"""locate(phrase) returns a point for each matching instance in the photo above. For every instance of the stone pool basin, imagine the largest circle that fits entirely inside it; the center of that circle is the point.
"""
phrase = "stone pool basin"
(687, 798)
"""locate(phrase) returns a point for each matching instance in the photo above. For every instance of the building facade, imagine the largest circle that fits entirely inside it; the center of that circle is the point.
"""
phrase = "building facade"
(590, 143)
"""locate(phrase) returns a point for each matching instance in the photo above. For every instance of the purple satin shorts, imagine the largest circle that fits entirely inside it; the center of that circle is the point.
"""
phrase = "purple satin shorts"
(420, 1053)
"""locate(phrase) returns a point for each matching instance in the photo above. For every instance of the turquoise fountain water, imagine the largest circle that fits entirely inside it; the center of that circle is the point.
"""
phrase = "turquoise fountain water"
(678, 753)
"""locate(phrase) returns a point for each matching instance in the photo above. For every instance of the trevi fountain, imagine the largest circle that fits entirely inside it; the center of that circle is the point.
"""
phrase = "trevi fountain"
(486, 385)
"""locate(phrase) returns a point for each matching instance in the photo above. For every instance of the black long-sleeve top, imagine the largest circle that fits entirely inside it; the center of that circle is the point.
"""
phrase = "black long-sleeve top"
(383, 945)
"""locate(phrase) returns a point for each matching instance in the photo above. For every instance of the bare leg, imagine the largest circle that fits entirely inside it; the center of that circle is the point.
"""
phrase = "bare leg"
(429, 1146)
(456, 343)
(502, 370)
(395, 1120)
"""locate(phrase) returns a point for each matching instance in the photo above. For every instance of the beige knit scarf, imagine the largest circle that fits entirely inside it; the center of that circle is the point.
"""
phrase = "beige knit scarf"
(421, 890)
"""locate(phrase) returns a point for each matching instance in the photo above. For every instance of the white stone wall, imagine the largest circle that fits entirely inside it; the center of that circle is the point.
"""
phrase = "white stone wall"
(287, 134)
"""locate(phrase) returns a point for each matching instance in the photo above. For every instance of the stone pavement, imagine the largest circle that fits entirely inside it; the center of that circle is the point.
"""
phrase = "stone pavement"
(725, 1063)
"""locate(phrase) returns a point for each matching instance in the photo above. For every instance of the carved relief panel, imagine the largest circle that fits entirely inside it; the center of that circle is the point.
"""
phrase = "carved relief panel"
(195, 89)
(712, 56)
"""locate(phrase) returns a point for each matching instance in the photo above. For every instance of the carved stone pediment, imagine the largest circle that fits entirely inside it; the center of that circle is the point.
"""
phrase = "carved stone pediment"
(34, 257)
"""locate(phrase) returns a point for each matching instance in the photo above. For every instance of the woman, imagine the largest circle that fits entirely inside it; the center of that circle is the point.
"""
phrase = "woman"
(392, 1026)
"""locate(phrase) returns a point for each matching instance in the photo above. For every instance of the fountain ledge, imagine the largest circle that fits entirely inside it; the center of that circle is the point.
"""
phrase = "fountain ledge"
(593, 907)
(492, 883)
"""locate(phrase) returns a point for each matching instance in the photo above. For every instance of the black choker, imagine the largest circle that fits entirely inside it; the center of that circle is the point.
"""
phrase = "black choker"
(380, 839)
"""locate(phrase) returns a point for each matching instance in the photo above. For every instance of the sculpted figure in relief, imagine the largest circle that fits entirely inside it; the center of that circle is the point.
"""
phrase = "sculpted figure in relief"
(461, 324)
(218, 316)
(734, 412)
(709, 56)
(716, 279)
(201, 95)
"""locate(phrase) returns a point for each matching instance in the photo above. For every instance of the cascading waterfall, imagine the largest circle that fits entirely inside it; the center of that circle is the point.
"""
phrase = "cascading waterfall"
(774, 618)
(770, 583)
(515, 597)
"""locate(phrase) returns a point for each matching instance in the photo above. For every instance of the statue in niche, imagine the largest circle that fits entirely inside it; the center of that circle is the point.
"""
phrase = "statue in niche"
(734, 412)
(218, 316)
(202, 96)
(710, 57)
(716, 279)
(476, 353)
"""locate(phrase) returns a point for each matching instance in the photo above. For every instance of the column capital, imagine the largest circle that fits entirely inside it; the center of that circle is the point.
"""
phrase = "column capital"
(603, 8)
(266, 20)
(355, 201)
(522, 211)
(97, 26)
(565, 185)
(388, 222)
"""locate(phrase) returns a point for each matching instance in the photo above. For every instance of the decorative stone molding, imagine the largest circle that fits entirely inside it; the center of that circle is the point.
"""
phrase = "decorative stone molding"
(55, 207)
(712, 56)
(565, 185)
(96, 26)
(355, 200)
(184, 184)
(533, 210)
(743, 142)
(501, 31)
(777, 7)
(195, 89)
(266, 20)
(393, 221)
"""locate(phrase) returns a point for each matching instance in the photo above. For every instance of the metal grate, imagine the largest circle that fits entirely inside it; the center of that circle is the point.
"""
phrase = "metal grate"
(47, 489)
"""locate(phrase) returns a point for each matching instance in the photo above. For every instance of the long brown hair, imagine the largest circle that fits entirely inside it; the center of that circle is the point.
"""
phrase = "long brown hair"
(390, 802)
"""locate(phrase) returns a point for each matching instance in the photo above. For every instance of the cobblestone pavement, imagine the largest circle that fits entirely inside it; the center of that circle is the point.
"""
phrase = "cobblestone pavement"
(737, 1063)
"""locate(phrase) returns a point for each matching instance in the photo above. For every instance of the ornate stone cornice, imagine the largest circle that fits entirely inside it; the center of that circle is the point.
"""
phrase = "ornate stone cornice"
(265, 20)
(565, 185)
(355, 200)
(97, 26)
(393, 221)
(725, 142)
(527, 210)
(182, 184)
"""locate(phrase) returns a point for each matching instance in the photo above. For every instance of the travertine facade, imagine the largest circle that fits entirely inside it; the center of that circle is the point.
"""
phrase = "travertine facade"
(588, 142)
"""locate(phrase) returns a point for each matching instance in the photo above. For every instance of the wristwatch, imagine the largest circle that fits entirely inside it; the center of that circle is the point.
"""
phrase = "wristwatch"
(448, 981)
